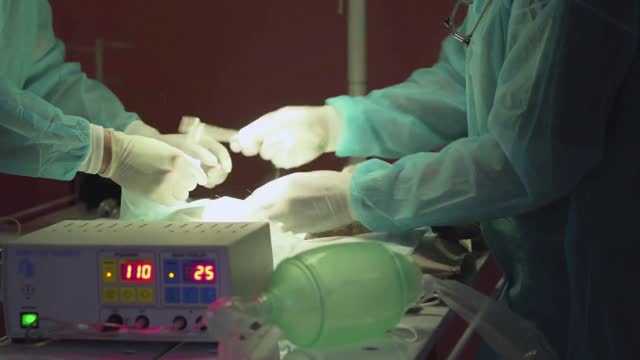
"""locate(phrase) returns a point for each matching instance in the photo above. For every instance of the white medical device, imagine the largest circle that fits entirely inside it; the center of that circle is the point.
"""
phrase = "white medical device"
(129, 280)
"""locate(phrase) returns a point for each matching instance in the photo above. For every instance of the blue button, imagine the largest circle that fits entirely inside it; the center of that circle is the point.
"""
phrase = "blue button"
(207, 295)
(172, 295)
(171, 271)
(190, 295)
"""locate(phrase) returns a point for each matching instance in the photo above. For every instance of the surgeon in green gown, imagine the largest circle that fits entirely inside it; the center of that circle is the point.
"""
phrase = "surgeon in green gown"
(55, 121)
(519, 103)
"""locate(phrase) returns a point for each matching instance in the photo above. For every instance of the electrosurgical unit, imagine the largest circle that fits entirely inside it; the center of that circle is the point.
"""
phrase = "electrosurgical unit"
(120, 280)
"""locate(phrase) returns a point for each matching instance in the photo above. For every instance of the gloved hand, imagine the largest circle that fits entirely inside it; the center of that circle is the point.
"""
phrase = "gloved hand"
(150, 168)
(291, 136)
(305, 202)
(214, 157)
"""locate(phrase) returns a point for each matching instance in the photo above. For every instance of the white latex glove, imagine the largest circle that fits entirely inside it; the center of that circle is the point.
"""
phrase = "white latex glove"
(214, 157)
(151, 168)
(305, 202)
(291, 136)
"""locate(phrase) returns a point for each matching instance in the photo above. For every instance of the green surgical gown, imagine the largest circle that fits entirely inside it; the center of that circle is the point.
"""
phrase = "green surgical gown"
(505, 161)
(46, 104)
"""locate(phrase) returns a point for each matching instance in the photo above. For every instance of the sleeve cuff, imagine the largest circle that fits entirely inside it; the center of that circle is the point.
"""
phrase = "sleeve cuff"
(362, 197)
(91, 164)
(348, 143)
(139, 128)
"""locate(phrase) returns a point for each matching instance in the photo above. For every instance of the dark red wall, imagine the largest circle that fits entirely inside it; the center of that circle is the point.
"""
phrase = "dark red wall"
(229, 62)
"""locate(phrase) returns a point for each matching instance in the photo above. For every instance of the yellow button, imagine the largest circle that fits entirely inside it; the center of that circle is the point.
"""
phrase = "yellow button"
(145, 295)
(127, 295)
(109, 295)
(109, 270)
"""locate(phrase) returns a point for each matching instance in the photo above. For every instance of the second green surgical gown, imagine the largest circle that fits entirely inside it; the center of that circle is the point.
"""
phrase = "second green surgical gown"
(506, 159)
(46, 104)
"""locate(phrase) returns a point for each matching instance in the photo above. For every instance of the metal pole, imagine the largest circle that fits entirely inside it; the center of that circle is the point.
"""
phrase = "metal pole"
(357, 47)
(357, 53)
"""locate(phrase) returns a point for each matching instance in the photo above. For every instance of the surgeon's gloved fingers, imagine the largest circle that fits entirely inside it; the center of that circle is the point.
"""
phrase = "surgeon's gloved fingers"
(178, 184)
(288, 160)
(180, 180)
(220, 152)
(280, 150)
(180, 194)
(262, 214)
(189, 168)
(250, 138)
(161, 194)
(201, 153)
(258, 204)
(254, 213)
(267, 194)
(269, 208)
(270, 147)
(219, 133)
(235, 145)
(187, 183)
(246, 145)
(215, 176)
(288, 219)
(247, 141)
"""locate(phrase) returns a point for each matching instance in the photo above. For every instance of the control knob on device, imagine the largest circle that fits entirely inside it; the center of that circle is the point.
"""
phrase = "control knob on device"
(179, 322)
(113, 319)
(142, 322)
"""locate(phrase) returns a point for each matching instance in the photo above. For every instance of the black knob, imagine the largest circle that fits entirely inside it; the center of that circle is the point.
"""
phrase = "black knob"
(202, 324)
(179, 322)
(142, 322)
(113, 319)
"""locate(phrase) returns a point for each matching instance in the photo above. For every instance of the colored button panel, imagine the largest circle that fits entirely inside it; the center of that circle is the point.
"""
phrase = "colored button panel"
(172, 295)
(127, 295)
(171, 271)
(207, 295)
(190, 295)
(109, 270)
(109, 295)
(145, 295)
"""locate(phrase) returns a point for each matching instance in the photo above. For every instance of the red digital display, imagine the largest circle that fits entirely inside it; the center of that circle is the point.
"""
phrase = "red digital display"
(199, 272)
(136, 271)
